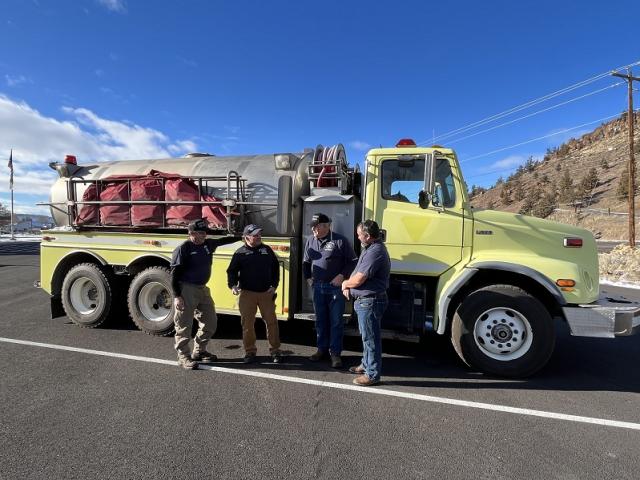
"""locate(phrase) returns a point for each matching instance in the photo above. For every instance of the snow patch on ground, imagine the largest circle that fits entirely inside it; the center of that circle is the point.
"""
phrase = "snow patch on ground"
(620, 266)
(635, 286)
(22, 237)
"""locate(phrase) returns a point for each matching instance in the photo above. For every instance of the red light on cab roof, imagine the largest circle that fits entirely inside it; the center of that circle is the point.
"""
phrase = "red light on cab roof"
(406, 142)
(70, 159)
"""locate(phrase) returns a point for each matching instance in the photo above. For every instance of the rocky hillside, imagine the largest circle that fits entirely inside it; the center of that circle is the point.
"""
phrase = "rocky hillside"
(582, 181)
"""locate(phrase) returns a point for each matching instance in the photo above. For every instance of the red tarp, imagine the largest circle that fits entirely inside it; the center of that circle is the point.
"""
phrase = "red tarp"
(147, 189)
(214, 214)
(88, 213)
(116, 215)
(182, 189)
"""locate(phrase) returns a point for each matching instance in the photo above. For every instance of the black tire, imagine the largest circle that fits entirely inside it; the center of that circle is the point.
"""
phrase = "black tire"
(86, 295)
(150, 301)
(502, 330)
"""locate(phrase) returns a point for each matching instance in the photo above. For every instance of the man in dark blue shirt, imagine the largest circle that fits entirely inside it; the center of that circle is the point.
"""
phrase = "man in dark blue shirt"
(254, 275)
(190, 272)
(368, 286)
(328, 260)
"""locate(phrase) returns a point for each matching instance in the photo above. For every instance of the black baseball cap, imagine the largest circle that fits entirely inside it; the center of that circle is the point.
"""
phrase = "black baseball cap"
(251, 230)
(319, 218)
(197, 226)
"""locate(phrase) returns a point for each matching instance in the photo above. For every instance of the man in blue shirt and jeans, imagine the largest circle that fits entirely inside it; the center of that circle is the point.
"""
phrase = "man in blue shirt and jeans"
(368, 286)
(328, 259)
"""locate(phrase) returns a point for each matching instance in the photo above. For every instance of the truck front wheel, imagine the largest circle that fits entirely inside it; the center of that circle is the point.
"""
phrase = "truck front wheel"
(86, 295)
(151, 302)
(502, 330)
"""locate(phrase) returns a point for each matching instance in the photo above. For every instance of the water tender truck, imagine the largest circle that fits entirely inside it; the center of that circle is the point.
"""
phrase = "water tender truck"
(495, 282)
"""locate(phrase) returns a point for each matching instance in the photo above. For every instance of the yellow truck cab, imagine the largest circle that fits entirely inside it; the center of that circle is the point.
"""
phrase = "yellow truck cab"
(495, 282)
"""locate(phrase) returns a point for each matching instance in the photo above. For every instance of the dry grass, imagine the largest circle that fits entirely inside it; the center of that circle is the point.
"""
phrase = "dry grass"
(604, 227)
(622, 264)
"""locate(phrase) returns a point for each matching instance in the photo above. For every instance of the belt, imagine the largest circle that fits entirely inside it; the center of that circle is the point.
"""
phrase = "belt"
(372, 295)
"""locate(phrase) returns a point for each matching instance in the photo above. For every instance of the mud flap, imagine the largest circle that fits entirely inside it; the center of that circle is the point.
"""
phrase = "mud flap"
(56, 307)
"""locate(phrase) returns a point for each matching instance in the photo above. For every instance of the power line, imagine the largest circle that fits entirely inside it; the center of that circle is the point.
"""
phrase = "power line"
(525, 105)
(584, 164)
(538, 138)
(536, 113)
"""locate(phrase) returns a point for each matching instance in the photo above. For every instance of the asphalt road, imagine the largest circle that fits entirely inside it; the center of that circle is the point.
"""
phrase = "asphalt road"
(78, 414)
(605, 246)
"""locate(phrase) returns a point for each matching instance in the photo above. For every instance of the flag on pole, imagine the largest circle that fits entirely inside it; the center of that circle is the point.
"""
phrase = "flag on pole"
(10, 165)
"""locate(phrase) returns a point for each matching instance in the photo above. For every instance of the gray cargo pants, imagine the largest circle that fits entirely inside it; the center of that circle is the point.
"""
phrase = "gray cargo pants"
(195, 296)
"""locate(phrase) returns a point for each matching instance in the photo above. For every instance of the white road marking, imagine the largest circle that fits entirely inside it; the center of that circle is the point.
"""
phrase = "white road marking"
(340, 386)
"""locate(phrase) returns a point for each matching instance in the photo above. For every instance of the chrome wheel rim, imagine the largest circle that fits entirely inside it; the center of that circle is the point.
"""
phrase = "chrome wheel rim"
(503, 334)
(154, 301)
(83, 295)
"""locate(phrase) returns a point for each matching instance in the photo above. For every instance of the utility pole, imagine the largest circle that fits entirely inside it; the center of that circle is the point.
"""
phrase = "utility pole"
(632, 162)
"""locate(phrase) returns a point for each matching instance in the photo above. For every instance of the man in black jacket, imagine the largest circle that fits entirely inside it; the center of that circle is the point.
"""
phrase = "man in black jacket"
(254, 274)
(190, 273)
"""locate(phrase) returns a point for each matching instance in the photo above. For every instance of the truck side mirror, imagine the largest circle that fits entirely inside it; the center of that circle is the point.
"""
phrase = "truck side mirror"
(423, 199)
(429, 178)
(436, 198)
(437, 195)
(283, 215)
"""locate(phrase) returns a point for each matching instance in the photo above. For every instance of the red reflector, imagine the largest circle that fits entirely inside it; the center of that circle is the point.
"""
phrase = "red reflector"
(573, 242)
(48, 239)
(70, 159)
(406, 142)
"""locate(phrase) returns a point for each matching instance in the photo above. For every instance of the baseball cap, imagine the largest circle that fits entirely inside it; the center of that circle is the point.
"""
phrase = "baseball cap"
(319, 218)
(197, 226)
(251, 230)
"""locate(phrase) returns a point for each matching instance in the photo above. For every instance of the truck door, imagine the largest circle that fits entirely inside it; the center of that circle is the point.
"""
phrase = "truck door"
(421, 241)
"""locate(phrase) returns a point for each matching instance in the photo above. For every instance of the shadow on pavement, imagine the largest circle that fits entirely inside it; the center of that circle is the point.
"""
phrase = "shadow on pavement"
(578, 364)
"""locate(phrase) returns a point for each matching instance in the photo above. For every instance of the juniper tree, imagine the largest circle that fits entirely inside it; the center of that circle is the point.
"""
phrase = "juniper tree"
(588, 183)
(546, 205)
(518, 191)
(566, 188)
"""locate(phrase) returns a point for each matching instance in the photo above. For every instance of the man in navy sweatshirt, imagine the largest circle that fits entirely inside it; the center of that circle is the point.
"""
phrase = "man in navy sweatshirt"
(254, 274)
(328, 260)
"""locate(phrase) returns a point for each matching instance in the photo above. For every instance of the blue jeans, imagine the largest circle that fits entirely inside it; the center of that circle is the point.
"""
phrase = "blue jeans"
(370, 311)
(328, 303)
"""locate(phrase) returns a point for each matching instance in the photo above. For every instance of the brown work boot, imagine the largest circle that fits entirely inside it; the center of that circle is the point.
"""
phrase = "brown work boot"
(319, 355)
(204, 357)
(185, 362)
(336, 361)
(357, 369)
(365, 381)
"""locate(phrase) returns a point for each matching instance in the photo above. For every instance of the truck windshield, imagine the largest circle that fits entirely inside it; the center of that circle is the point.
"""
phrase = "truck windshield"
(402, 182)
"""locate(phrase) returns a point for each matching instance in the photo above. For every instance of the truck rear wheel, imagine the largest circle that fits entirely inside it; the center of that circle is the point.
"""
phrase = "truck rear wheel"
(151, 302)
(504, 331)
(86, 295)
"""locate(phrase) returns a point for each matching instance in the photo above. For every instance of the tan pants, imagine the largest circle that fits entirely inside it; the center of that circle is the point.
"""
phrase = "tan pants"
(248, 303)
(195, 296)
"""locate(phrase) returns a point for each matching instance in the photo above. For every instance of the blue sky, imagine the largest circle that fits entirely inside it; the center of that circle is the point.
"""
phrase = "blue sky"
(124, 79)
